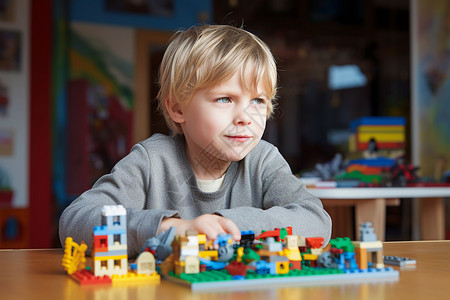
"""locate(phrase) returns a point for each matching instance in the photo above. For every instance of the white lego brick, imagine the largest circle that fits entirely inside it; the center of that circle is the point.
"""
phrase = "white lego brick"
(114, 210)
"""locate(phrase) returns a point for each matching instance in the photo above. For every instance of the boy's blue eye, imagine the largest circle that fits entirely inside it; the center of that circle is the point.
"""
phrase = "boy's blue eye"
(224, 100)
(258, 101)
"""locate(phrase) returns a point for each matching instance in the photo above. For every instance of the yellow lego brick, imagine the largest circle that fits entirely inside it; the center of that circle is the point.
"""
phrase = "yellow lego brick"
(201, 238)
(381, 137)
(116, 257)
(282, 267)
(310, 257)
(135, 278)
(213, 254)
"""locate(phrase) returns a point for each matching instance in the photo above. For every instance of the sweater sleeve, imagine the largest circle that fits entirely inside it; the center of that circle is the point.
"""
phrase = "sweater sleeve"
(128, 185)
(285, 202)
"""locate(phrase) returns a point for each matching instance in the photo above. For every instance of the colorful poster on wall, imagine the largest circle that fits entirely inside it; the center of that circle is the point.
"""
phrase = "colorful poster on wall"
(431, 86)
(100, 101)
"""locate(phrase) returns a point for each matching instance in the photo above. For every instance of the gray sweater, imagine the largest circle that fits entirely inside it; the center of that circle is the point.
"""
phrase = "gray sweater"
(155, 181)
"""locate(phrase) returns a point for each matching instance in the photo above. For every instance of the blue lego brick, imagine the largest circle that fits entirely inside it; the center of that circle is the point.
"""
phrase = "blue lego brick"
(374, 162)
(243, 232)
(377, 121)
(121, 224)
(106, 230)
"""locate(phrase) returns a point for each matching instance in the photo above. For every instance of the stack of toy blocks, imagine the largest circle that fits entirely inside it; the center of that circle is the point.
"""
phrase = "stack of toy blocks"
(387, 132)
(186, 253)
(344, 253)
(368, 245)
(374, 144)
(313, 250)
(109, 252)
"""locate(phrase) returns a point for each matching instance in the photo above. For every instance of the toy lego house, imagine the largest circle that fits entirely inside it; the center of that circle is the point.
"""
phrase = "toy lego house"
(109, 255)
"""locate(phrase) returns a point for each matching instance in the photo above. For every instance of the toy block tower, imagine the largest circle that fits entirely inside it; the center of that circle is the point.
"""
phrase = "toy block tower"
(369, 249)
(109, 252)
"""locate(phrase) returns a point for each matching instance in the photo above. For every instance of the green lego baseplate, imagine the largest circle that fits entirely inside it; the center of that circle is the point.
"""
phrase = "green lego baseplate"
(309, 276)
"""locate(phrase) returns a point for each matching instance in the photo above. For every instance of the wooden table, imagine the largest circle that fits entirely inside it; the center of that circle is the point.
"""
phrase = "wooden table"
(37, 274)
(370, 206)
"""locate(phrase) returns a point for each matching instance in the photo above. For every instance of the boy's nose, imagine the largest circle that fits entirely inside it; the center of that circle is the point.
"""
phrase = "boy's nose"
(242, 118)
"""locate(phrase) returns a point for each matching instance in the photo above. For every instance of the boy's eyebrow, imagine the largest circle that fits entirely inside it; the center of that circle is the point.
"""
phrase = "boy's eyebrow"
(214, 91)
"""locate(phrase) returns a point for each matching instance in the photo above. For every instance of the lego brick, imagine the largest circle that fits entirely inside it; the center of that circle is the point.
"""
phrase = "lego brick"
(310, 257)
(374, 162)
(107, 230)
(133, 278)
(113, 210)
(117, 247)
(101, 243)
(399, 261)
(364, 169)
(360, 176)
(394, 137)
(360, 146)
(370, 246)
(110, 266)
(110, 254)
(396, 121)
(113, 257)
(361, 258)
(381, 128)
(86, 277)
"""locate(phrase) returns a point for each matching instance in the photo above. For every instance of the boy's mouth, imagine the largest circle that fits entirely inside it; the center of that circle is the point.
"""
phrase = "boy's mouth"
(238, 138)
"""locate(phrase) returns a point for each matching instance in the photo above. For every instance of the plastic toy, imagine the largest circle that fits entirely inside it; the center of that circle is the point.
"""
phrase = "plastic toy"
(278, 257)
(275, 257)
(399, 261)
(109, 254)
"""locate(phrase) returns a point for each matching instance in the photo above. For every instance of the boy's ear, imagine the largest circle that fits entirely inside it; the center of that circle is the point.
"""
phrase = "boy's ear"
(174, 111)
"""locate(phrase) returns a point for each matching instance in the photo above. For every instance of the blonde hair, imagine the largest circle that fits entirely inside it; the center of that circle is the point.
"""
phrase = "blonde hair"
(204, 56)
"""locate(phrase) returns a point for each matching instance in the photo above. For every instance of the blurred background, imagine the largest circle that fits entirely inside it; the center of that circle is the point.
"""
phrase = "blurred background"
(78, 86)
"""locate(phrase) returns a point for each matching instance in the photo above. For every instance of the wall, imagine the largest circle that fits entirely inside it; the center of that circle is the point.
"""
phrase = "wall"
(14, 114)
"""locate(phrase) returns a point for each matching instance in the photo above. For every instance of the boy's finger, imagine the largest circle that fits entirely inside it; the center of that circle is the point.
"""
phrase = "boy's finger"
(212, 230)
(230, 227)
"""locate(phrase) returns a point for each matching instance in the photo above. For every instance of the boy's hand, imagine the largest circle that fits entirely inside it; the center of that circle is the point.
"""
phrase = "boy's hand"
(209, 225)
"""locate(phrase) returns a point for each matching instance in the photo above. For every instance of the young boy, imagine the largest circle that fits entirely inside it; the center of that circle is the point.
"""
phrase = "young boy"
(214, 174)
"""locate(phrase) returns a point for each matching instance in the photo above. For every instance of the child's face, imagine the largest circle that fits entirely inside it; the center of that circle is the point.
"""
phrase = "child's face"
(224, 122)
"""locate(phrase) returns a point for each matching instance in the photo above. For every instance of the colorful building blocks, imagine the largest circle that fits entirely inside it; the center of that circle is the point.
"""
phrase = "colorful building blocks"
(277, 257)
(109, 254)
(279, 267)
(386, 132)
(111, 257)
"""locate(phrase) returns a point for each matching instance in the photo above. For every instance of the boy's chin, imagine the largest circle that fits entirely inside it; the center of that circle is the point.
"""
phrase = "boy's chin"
(236, 156)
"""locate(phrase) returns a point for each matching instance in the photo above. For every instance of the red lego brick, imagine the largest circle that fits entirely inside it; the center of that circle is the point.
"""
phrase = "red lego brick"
(86, 277)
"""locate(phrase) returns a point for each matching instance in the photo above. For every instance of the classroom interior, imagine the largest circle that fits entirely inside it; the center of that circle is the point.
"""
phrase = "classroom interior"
(79, 88)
